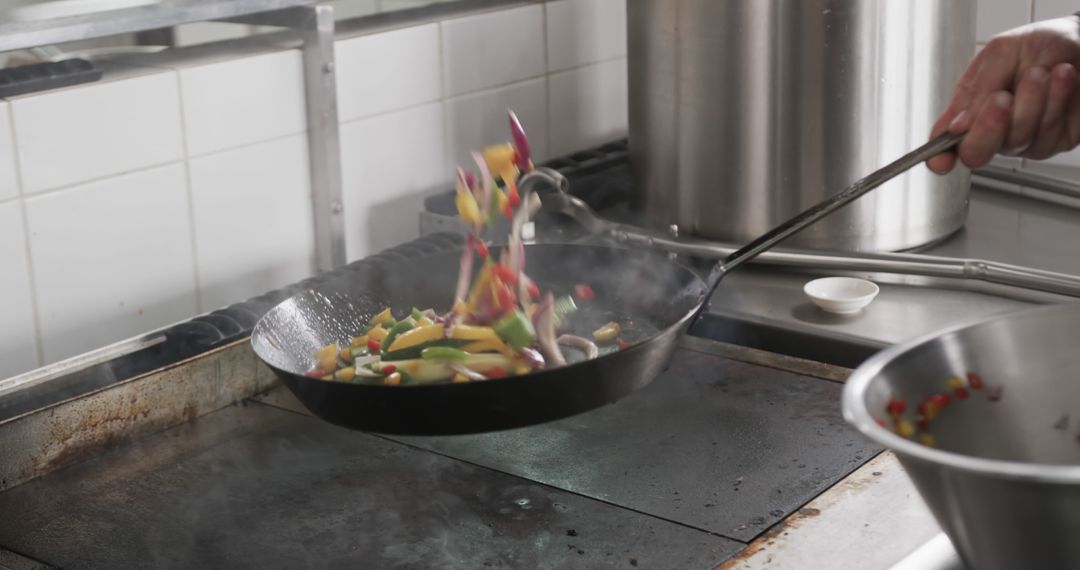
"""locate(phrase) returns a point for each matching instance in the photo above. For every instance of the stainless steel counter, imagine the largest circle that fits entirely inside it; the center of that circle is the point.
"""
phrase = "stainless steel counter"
(1005, 227)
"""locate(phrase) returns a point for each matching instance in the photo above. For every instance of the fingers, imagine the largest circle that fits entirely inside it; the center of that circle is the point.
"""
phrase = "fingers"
(1029, 106)
(1063, 82)
(988, 131)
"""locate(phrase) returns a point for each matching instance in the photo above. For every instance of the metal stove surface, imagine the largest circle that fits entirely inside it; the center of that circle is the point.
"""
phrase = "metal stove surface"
(680, 475)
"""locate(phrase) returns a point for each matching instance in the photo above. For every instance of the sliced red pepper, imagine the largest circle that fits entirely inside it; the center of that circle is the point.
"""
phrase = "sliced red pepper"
(505, 274)
(512, 194)
(922, 422)
(939, 401)
(315, 374)
(623, 344)
(584, 293)
(508, 211)
(896, 407)
(975, 381)
(481, 249)
(507, 300)
(495, 373)
(879, 422)
(389, 369)
(534, 290)
(374, 346)
(960, 393)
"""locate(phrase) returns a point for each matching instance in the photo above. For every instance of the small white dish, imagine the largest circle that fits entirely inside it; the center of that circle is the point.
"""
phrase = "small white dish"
(841, 295)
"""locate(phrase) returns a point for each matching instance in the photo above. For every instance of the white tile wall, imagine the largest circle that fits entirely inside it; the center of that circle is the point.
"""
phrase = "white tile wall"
(242, 101)
(588, 106)
(492, 49)
(390, 163)
(996, 16)
(9, 186)
(480, 119)
(111, 259)
(1047, 9)
(18, 339)
(253, 221)
(388, 71)
(73, 135)
(580, 32)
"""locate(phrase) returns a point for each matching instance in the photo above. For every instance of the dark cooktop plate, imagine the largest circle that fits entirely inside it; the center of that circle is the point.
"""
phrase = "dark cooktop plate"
(260, 487)
(716, 444)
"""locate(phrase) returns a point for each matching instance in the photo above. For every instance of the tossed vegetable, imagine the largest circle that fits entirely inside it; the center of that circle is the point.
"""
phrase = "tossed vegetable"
(501, 322)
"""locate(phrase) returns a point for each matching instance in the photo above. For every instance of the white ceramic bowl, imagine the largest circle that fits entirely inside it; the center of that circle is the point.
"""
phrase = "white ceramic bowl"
(841, 295)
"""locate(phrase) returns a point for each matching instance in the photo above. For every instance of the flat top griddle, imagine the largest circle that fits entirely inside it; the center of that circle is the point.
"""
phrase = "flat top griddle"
(682, 474)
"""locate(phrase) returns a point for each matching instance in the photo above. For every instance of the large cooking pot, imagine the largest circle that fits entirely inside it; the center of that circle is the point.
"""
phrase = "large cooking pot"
(1003, 475)
(744, 112)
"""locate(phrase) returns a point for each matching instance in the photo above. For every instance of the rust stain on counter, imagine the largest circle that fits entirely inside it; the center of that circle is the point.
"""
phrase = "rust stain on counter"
(79, 429)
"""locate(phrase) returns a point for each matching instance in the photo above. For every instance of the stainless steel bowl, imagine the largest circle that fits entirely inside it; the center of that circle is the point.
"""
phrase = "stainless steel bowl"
(1003, 477)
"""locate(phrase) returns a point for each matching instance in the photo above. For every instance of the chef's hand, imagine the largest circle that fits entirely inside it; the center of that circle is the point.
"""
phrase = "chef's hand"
(1019, 97)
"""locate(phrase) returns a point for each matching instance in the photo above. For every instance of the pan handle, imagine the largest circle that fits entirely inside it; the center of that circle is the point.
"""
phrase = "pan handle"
(829, 205)
(894, 263)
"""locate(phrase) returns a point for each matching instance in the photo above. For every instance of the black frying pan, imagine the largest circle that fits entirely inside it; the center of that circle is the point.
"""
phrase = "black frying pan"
(660, 298)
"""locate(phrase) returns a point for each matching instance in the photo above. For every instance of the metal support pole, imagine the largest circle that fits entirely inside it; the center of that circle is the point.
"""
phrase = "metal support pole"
(316, 25)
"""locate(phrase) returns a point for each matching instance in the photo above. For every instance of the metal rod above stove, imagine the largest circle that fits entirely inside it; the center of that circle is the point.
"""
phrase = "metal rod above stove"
(895, 263)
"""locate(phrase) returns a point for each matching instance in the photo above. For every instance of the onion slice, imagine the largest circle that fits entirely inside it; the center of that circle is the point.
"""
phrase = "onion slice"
(545, 331)
(581, 343)
(466, 372)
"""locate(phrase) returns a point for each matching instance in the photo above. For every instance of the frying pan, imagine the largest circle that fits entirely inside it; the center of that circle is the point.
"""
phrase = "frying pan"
(658, 297)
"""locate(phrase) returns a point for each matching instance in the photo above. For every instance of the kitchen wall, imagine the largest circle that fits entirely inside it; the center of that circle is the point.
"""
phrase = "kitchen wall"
(174, 188)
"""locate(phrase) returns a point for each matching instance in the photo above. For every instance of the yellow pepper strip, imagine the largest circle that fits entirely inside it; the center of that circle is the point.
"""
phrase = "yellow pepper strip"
(382, 317)
(509, 175)
(521, 367)
(377, 333)
(466, 332)
(328, 350)
(607, 333)
(345, 374)
(489, 345)
(500, 196)
(328, 363)
(458, 378)
(424, 322)
(467, 207)
(459, 307)
(359, 341)
(417, 336)
(499, 158)
(478, 287)
(392, 380)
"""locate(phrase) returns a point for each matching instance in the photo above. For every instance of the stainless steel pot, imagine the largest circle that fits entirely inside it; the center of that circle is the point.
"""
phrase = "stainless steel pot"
(1003, 477)
(745, 112)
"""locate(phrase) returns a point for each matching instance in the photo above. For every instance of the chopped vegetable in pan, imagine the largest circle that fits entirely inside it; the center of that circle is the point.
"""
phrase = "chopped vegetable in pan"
(501, 323)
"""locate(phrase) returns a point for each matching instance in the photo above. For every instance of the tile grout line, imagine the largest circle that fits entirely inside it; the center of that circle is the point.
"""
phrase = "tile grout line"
(35, 309)
(190, 194)
(76, 185)
(448, 160)
(547, 78)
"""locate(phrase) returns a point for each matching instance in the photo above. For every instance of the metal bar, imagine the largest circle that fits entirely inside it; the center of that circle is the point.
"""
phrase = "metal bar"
(78, 363)
(1029, 180)
(316, 24)
(17, 35)
(324, 145)
(897, 263)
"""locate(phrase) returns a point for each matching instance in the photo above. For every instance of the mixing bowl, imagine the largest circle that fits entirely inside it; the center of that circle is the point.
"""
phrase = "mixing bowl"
(985, 419)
